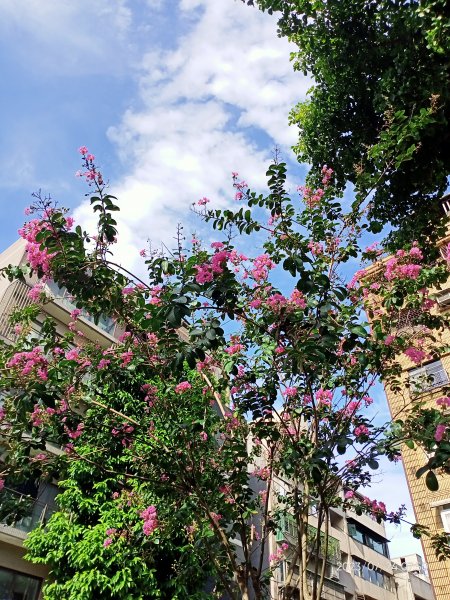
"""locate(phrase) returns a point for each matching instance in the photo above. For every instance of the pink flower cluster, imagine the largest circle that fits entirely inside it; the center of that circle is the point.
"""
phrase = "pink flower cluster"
(327, 173)
(261, 266)
(416, 355)
(277, 302)
(38, 259)
(324, 397)
(443, 402)
(311, 197)
(316, 248)
(182, 387)
(207, 270)
(30, 362)
(400, 267)
(40, 415)
(361, 431)
(74, 434)
(262, 473)
(376, 508)
(109, 540)
(279, 554)
(91, 173)
(290, 392)
(440, 432)
(240, 186)
(150, 520)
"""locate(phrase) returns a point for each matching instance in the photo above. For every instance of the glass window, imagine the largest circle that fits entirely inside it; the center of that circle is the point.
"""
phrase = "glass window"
(359, 533)
(427, 377)
(18, 586)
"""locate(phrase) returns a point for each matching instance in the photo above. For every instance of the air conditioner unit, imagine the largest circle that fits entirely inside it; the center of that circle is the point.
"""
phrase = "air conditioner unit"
(334, 573)
(443, 299)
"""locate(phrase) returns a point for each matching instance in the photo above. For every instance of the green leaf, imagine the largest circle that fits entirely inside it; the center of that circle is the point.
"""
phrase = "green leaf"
(431, 481)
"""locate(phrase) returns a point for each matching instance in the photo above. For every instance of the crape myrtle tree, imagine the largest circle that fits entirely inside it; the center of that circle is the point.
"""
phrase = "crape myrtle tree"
(229, 403)
(379, 98)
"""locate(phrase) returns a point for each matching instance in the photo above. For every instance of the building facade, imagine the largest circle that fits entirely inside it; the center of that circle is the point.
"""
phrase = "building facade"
(426, 384)
(411, 578)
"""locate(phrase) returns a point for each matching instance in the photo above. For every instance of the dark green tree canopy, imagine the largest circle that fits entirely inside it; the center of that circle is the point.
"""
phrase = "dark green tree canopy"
(379, 109)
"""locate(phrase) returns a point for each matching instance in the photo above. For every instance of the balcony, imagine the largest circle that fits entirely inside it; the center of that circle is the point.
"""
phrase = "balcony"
(16, 297)
(38, 513)
(62, 297)
(288, 532)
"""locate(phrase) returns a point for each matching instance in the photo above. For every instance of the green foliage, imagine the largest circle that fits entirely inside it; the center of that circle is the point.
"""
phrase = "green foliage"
(378, 111)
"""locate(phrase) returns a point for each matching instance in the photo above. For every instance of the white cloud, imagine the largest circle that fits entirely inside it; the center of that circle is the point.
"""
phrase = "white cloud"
(67, 38)
(218, 102)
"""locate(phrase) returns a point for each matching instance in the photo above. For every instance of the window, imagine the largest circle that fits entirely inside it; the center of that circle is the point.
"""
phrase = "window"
(363, 535)
(18, 586)
(372, 574)
(445, 517)
(427, 377)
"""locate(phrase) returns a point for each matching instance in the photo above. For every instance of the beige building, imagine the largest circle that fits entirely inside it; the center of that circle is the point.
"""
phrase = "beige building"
(20, 579)
(425, 383)
(358, 563)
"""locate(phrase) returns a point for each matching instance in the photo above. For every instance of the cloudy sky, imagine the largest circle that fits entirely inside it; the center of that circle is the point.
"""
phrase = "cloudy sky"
(170, 95)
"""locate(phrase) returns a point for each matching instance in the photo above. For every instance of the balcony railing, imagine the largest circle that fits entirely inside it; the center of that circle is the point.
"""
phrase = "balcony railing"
(62, 297)
(39, 514)
(288, 531)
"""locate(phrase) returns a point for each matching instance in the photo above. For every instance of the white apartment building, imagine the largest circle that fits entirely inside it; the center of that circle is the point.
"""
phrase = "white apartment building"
(411, 578)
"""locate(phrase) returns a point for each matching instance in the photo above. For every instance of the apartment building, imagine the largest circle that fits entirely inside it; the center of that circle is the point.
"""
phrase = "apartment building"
(358, 563)
(426, 384)
(411, 578)
(20, 579)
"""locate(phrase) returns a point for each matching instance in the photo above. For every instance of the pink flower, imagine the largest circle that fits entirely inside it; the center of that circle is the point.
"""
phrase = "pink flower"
(290, 392)
(203, 201)
(103, 363)
(349, 494)
(142, 252)
(150, 520)
(361, 431)
(389, 339)
(417, 356)
(73, 354)
(440, 431)
(126, 358)
(324, 397)
(234, 349)
(83, 150)
(297, 299)
(444, 402)
(2, 484)
(203, 436)
(182, 387)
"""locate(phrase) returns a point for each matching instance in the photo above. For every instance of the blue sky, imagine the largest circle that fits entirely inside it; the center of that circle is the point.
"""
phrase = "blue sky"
(170, 95)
